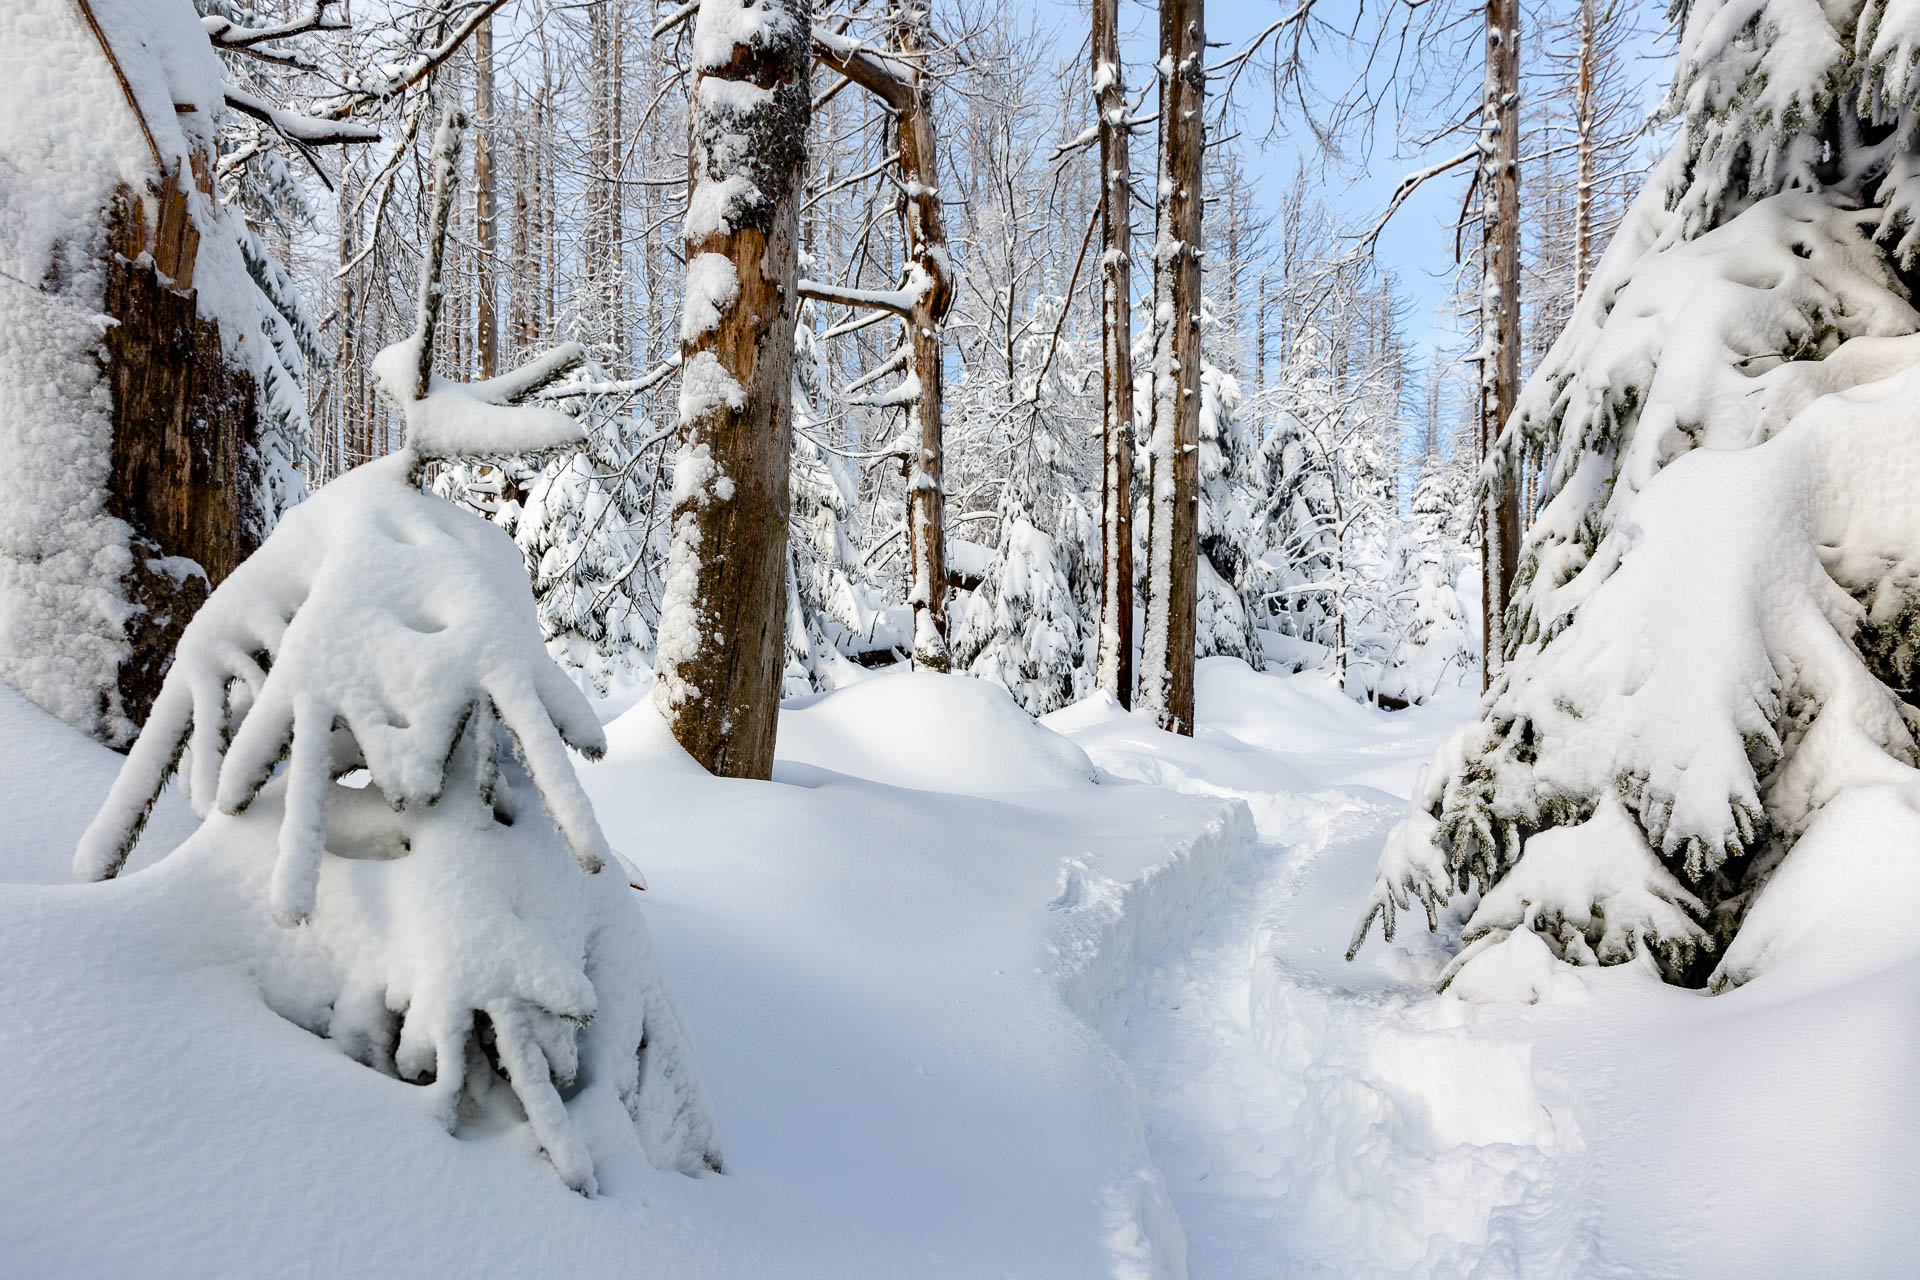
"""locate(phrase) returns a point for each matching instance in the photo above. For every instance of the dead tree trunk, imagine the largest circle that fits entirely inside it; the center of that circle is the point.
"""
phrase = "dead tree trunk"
(1585, 128)
(720, 637)
(901, 82)
(487, 356)
(1173, 462)
(1114, 666)
(1499, 319)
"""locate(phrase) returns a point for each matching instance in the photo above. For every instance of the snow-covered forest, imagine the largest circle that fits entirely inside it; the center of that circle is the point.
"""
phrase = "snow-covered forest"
(1075, 638)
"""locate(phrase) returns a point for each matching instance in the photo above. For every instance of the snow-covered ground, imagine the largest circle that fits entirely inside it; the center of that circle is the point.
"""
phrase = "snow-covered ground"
(972, 997)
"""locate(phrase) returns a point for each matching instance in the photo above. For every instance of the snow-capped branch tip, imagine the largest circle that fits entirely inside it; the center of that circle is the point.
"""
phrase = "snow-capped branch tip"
(488, 419)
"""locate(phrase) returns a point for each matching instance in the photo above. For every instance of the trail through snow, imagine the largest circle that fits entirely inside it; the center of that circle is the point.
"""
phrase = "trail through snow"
(1313, 1117)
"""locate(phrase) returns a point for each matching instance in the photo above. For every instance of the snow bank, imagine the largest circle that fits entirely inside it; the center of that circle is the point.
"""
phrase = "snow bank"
(931, 732)
(1107, 931)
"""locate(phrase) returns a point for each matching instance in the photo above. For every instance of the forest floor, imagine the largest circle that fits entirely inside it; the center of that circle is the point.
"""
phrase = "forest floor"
(975, 998)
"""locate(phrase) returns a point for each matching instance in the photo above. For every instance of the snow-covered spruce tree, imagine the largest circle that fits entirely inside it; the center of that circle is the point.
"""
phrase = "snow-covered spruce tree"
(1430, 554)
(1025, 625)
(1231, 576)
(581, 522)
(449, 922)
(1704, 713)
(1297, 512)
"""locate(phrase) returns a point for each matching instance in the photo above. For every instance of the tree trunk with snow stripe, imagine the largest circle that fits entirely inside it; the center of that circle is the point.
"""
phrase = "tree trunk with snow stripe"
(1173, 474)
(1499, 319)
(720, 639)
(1114, 670)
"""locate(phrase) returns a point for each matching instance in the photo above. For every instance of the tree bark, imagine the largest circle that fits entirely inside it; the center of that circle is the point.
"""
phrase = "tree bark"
(486, 351)
(719, 654)
(1499, 319)
(1173, 463)
(185, 468)
(1114, 663)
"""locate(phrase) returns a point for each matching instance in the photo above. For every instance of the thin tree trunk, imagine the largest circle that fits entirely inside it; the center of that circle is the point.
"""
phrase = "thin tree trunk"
(1585, 127)
(927, 249)
(721, 627)
(485, 348)
(1114, 670)
(1499, 318)
(1173, 478)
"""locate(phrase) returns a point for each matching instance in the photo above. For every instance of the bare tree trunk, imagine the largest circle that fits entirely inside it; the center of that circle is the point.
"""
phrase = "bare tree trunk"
(927, 249)
(485, 347)
(903, 85)
(1173, 462)
(1499, 317)
(520, 296)
(1114, 670)
(1585, 127)
(721, 627)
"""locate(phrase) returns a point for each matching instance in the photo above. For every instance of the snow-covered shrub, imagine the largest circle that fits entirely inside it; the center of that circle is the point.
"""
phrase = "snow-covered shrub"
(1711, 638)
(435, 865)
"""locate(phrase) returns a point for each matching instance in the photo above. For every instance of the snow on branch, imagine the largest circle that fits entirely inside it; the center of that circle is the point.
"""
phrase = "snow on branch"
(227, 34)
(468, 420)
(900, 302)
(310, 131)
(887, 78)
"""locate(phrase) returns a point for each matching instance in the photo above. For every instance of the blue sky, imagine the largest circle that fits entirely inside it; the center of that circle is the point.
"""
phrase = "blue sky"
(1418, 244)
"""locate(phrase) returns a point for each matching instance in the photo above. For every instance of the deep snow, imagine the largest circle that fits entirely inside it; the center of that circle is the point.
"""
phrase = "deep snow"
(963, 1012)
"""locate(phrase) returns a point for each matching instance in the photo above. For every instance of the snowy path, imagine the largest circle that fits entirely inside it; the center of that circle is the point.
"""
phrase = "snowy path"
(1312, 1117)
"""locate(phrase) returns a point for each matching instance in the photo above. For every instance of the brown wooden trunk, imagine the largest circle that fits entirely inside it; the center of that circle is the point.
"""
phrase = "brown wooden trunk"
(722, 625)
(1173, 478)
(1114, 665)
(927, 249)
(185, 475)
(1499, 318)
(486, 321)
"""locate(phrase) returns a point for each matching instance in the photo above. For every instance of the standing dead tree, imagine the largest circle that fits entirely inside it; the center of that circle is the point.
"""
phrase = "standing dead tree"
(1114, 660)
(1499, 355)
(720, 638)
(898, 78)
(1173, 475)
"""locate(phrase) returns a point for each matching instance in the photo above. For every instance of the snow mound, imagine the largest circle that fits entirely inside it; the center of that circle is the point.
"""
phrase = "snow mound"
(931, 732)
(1812, 924)
(45, 761)
(1278, 714)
